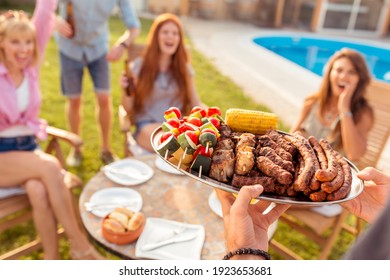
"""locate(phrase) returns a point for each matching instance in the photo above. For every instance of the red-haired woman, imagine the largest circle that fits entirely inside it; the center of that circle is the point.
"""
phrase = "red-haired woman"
(163, 77)
(339, 111)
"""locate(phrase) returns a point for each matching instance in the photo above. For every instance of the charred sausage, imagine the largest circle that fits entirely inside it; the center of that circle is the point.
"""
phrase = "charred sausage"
(273, 170)
(277, 137)
(267, 182)
(318, 196)
(346, 187)
(266, 141)
(272, 155)
(331, 172)
(303, 146)
(336, 183)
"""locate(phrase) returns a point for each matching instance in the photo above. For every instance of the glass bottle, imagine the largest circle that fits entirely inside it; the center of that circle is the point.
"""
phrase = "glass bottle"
(70, 18)
(130, 90)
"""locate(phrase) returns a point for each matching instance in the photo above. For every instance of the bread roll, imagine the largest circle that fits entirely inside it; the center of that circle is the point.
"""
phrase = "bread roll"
(120, 217)
(113, 225)
(129, 213)
(136, 221)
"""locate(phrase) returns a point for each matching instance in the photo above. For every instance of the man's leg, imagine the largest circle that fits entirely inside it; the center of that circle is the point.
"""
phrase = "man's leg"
(104, 116)
(100, 73)
(71, 79)
(74, 114)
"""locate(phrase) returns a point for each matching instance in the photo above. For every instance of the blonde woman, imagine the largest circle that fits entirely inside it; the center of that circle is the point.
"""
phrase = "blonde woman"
(22, 44)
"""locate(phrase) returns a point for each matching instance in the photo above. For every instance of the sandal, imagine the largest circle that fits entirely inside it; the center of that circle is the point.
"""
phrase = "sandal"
(107, 157)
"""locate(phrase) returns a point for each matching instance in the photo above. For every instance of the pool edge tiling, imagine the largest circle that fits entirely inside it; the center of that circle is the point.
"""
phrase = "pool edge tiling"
(312, 52)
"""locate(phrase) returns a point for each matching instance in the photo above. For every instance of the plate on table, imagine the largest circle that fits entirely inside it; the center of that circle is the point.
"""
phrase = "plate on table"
(128, 172)
(104, 201)
(157, 230)
(215, 204)
(356, 186)
(164, 166)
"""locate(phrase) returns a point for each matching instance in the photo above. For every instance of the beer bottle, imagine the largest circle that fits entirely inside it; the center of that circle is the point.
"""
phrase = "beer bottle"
(70, 18)
(130, 90)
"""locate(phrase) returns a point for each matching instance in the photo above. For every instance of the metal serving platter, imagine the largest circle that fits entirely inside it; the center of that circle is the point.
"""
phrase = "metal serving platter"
(356, 187)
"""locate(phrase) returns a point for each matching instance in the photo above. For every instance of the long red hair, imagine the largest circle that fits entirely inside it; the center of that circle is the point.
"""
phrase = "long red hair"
(150, 67)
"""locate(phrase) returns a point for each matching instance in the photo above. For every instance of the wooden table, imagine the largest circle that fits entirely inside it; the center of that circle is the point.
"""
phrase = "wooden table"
(168, 196)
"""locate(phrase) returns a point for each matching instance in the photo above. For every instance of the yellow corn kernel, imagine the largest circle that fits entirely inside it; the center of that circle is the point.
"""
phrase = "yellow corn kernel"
(256, 122)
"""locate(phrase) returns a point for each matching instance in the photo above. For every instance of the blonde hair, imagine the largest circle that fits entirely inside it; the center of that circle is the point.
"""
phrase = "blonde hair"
(17, 24)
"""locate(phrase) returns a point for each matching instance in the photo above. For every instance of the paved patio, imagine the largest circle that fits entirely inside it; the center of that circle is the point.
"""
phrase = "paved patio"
(265, 76)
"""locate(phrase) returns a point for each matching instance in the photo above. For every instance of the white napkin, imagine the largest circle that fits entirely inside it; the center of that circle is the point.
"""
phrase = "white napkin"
(157, 229)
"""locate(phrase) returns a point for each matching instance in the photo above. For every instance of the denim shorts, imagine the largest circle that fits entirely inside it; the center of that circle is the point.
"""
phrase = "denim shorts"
(139, 125)
(72, 75)
(20, 143)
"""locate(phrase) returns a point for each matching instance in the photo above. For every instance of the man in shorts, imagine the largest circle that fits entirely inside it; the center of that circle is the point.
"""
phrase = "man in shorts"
(87, 46)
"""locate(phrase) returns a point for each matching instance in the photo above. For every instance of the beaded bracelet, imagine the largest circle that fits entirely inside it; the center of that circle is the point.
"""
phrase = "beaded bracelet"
(248, 251)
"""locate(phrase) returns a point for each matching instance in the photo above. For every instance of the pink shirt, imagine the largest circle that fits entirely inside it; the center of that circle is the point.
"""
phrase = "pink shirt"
(43, 20)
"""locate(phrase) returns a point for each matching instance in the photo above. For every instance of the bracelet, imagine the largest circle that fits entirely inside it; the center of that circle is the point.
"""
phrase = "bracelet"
(124, 45)
(345, 114)
(248, 251)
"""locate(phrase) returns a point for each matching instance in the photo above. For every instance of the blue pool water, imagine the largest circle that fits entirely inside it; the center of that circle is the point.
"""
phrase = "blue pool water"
(312, 53)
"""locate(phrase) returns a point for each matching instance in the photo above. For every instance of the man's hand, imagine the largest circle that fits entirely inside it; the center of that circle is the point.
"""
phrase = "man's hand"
(246, 225)
(115, 53)
(370, 203)
(63, 28)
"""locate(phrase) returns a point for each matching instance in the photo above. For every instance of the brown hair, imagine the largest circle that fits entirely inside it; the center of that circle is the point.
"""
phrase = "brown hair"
(150, 69)
(359, 104)
(17, 23)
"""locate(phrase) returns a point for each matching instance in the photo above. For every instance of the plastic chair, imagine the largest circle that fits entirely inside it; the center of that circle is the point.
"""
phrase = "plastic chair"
(315, 224)
(15, 208)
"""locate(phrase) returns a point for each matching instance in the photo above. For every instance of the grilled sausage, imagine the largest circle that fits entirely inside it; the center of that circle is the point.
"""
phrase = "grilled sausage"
(266, 141)
(281, 189)
(299, 168)
(274, 135)
(319, 152)
(291, 192)
(273, 170)
(331, 172)
(346, 187)
(318, 196)
(336, 183)
(321, 163)
(272, 155)
(303, 146)
(267, 182)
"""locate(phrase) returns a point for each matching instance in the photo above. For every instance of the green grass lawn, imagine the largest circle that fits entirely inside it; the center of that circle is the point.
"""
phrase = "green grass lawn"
(214, 90)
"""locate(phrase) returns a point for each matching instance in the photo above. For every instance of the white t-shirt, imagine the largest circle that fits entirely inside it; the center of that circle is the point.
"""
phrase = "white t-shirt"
(23, 97)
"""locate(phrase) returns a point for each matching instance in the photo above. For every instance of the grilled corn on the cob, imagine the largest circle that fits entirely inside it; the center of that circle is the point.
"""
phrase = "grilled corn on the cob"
(256, 122)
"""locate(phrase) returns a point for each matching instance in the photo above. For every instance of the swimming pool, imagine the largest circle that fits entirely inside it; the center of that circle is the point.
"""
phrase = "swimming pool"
(312, 53)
